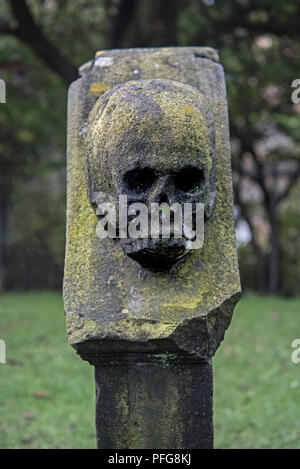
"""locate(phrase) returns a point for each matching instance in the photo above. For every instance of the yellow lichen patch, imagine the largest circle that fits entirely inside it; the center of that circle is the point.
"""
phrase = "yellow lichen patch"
(180, 304)
(98, 87)
(79, 329)
(187, 123)
(175, 123)
(99, 52)
(131, 329)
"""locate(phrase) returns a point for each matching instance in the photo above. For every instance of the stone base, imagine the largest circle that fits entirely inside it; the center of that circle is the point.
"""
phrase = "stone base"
(161, 401)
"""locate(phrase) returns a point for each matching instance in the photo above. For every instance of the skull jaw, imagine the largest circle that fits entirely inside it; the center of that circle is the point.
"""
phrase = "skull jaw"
(156, 254)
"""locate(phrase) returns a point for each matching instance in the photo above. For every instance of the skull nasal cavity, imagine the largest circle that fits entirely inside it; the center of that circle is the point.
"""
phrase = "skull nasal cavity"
(163, 198)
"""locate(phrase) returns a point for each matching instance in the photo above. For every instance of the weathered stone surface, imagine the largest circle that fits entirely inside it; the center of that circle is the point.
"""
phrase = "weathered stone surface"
(162, 401)
(111, 302)
(153, 142)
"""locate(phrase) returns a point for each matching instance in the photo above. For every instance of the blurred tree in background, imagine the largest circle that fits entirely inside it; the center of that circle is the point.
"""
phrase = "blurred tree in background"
(42, 43)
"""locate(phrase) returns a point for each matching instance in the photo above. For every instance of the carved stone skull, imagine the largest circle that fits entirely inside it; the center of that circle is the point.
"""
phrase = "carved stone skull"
(153, 141)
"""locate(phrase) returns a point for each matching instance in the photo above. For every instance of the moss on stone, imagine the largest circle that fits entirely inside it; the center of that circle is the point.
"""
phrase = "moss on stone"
(107, 295)
(163, 118)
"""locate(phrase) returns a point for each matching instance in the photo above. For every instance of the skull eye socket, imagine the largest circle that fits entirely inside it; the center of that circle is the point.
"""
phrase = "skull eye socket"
(139, 180)
(189, 179)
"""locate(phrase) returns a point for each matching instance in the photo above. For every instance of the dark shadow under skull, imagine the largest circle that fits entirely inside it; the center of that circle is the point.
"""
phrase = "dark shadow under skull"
(153, 141)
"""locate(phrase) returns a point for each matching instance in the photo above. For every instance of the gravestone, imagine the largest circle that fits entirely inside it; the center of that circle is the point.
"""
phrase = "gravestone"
(151, 126)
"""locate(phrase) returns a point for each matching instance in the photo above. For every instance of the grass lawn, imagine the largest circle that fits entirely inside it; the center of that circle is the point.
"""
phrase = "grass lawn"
(47, 392)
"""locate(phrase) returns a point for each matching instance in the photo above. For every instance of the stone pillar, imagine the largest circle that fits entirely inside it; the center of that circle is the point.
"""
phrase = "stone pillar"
(155, 402)
(152, 400)
(150, 125)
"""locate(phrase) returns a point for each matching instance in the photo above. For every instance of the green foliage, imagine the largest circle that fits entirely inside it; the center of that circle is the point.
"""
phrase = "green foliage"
(260, 64)
(32, 141)
(78, 28)
(37, 247)
(258, 42)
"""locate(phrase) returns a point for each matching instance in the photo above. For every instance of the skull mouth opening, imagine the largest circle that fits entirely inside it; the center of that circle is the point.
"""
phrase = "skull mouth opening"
(157, 255)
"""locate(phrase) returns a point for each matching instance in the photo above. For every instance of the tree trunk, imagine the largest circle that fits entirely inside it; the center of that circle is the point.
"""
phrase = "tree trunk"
(273, 264)
(29, 32)
(145, 24)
